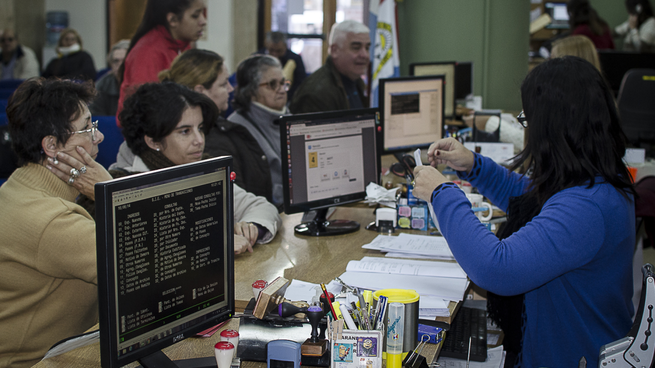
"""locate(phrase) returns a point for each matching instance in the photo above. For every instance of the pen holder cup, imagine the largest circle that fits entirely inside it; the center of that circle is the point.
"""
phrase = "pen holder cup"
(410, 298)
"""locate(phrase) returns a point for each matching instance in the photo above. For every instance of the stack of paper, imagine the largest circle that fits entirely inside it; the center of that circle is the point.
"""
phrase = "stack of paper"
(412, 246)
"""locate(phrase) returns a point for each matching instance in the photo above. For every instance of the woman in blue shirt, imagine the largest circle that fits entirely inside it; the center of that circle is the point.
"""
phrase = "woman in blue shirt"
(570, 234)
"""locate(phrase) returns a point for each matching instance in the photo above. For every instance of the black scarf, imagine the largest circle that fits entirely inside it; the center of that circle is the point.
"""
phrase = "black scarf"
(507, 311)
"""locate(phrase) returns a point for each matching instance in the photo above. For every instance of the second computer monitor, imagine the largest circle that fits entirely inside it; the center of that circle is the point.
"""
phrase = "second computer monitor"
(328, 159)
(445, 68)
(411, 113)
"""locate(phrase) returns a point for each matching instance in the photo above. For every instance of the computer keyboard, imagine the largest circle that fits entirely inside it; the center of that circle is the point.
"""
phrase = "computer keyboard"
(469, 322)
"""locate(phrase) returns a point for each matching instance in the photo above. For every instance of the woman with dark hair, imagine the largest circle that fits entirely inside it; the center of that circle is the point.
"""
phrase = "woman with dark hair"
(165, 125)
(260, 99)
(566, 250)
(72, 62)
(584, 20)
(205, 72)
(167, 29)
(48, 283)
(639, 30)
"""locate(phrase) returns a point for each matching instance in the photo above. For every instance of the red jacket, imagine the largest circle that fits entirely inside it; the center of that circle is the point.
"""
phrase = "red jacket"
(601, 42)
(153, 53)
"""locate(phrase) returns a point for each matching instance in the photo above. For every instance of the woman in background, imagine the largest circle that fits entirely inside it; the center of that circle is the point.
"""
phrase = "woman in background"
(584, 20)
(167, 29)
(639, 30)
(72, 61)
(108, 87)
(260, 99)
(48, 277)
(578, 45)
(204, 71)
(164, 124)
(566, 250)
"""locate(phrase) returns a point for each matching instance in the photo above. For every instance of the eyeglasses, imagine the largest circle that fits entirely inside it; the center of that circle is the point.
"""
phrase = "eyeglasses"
(521, 118)
(7, 39)
(92, 130)
(275, 84)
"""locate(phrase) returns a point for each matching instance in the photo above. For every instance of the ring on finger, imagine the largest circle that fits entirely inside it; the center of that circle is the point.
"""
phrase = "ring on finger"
(74, 173)
(71, 180)
(83, 169)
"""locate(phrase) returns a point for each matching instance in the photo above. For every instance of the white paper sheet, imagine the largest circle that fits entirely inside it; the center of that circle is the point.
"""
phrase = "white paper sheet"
(407, 267)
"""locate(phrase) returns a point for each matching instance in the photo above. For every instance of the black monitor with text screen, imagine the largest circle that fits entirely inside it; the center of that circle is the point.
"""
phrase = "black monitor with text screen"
(411, 113)
(447, 69)
(328, 159)
(165, 259)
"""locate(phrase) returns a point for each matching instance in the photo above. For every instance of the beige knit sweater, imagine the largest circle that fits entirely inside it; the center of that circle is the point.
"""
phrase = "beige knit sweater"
(48, 275)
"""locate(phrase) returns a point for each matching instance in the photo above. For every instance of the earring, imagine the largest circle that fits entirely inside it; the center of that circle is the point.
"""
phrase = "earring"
(157, 149)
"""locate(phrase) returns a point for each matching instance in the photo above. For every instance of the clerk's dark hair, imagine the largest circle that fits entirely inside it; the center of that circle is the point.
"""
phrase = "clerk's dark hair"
(574, 130)
(41, 107)
(153, 16)
(155, 109)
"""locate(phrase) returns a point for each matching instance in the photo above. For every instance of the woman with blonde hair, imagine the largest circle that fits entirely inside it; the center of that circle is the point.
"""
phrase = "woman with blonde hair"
(577, 45)
(72, 61)
(204, 71)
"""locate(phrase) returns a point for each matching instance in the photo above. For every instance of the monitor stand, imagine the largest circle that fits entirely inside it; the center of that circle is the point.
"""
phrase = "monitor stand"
(321, 226)
(160, 360)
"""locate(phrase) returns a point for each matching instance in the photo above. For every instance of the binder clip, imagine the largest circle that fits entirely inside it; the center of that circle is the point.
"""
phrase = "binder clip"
(415, 359)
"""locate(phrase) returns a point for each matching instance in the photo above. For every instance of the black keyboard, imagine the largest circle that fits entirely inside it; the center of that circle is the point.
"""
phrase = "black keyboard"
(469, 322)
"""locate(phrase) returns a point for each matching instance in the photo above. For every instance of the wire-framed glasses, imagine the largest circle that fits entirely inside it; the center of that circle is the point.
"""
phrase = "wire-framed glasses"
(92, 130)
(521, 118)
(275, 84)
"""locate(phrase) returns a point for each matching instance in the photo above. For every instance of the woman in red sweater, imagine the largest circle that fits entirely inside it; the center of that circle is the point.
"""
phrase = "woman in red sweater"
(167, 29)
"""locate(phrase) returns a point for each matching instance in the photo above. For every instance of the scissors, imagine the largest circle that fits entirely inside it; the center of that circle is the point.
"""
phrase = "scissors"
(404, 167)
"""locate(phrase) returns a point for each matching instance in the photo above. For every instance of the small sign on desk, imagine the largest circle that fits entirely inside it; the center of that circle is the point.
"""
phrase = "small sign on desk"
(501, 153)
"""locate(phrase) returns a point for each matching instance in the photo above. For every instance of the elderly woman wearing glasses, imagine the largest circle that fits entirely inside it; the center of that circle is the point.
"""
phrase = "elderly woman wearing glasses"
(48, 259)
(260, 98)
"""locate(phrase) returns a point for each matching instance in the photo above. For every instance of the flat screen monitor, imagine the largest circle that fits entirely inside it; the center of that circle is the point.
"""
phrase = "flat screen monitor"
(328, 159)
(411, 113)
(446, 68)
(463, 80)
(616, 63)
(165, 258)
(558, 13)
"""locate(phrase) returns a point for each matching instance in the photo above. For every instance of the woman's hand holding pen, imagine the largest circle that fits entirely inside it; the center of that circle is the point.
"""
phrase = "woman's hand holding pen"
(451, 152)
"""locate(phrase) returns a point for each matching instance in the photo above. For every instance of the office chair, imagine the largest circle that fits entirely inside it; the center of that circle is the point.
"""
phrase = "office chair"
(637, 109)
(113, 139)
(638, 348)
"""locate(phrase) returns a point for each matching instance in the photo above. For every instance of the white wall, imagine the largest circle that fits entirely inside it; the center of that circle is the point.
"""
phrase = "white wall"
(219, 31)
(89, 19)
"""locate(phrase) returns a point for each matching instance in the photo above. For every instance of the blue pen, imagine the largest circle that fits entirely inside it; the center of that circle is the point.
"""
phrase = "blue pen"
(379, 323)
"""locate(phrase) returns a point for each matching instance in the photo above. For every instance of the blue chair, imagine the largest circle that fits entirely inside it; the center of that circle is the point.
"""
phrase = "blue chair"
(3, 119)
(3, 105)
(101, 72)
(5, 93)
(10, 83)
(108, 149)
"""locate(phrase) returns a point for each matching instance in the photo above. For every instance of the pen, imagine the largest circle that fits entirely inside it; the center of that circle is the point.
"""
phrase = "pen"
(328, 301)
(468, 357)
(380, 318)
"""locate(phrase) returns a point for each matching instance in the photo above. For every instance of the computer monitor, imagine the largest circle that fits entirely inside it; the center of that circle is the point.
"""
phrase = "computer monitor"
(411, 113)
(165, 258)
(446, 68)
(328, 159)
(463, 80)
(558, 13)
(616, 63)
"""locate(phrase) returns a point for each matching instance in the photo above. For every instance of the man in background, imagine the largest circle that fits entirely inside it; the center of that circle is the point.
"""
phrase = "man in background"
(16, 61)
(293, 67)
(106, 102)
(338, 84)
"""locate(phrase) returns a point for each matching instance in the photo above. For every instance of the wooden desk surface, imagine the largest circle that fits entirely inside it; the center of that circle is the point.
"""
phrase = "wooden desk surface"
(311, 259)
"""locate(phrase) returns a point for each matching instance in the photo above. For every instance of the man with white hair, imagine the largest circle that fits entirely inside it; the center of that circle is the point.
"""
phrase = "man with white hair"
(338, 85)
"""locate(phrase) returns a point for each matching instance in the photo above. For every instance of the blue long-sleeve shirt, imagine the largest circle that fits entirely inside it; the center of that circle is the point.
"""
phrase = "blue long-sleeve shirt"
(573, 261)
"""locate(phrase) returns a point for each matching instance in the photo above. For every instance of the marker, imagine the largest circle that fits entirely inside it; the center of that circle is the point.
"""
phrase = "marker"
(337, 308)
(346, 317)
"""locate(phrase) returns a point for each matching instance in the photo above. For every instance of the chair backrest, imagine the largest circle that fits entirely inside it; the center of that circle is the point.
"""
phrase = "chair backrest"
(636, 106)
(10, 83)
(108, 149)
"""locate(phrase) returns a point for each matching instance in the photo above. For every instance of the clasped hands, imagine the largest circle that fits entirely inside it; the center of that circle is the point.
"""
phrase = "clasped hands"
(447, 151)
(245, 236)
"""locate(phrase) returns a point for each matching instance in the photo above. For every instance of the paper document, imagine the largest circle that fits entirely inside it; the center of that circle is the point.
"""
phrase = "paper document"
(443, 287)
(407, 267)
(73, 343)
